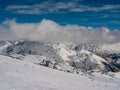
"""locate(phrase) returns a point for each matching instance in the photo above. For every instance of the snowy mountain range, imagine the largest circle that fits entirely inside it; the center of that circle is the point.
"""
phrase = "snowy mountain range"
(69, 57)
(30, 65)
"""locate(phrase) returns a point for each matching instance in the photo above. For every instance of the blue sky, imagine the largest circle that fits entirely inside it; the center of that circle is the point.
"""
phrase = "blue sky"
(94, 13)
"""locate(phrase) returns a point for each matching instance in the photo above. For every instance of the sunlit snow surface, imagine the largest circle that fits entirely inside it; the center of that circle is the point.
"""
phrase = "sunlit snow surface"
(21, 75)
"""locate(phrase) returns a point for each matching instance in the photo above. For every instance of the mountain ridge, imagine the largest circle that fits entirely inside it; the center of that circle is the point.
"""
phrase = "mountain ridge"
(68, 57)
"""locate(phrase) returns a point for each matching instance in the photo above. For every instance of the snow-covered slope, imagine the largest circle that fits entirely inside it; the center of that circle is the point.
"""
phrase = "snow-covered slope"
(4, 45)
(81, 59)
(20, 75)
(32, 48)
(110, 48)
(89, 61)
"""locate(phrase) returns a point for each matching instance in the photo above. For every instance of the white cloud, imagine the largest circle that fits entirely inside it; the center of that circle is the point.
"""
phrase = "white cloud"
(4, 33)
(48, 30)
(52, 7)
(82, 8)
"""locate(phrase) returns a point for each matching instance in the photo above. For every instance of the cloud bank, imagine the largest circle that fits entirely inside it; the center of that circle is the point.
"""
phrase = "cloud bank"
(50, 31)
